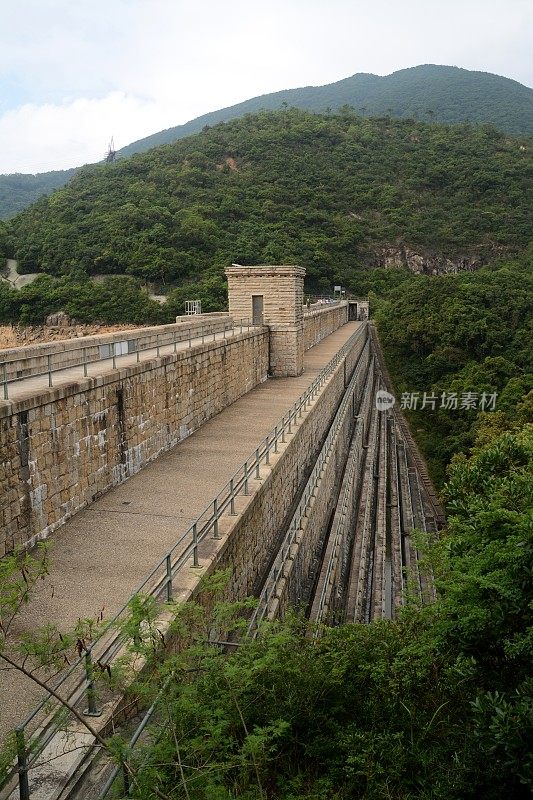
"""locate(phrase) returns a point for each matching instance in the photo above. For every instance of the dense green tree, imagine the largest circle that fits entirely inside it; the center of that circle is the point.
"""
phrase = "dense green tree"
(469, 332)
(117, 299)
(329, 192)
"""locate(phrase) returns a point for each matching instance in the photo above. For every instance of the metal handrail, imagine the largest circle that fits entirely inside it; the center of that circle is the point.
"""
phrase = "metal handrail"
(164, 339)
(322, 307)
(160, 579)
(277, 571)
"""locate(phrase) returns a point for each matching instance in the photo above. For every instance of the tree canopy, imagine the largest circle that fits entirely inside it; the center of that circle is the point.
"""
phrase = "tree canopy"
(327, 191)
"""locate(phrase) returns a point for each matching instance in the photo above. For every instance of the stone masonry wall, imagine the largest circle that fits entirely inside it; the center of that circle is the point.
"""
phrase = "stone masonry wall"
(280, 287)
(280, 292)
(319, 324)
(65, 447)
(33, 360)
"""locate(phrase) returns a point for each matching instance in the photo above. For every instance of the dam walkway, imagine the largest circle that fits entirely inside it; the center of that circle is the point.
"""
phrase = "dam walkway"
(100, 556)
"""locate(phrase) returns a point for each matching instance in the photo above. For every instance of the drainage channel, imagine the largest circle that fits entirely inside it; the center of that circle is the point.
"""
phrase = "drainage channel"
(369, 562)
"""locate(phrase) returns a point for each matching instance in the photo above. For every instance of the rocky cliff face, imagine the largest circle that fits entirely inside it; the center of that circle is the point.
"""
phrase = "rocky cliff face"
(57, 327)
(424, 263)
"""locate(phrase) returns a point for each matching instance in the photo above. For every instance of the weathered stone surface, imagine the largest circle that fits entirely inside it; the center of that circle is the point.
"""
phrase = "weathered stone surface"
(281, 291)
(320, 323)
(424, 263)
(62, 449)
(65, 446)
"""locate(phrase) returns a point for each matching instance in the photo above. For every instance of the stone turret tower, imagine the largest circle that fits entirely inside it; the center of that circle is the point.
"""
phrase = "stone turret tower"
(273, 296)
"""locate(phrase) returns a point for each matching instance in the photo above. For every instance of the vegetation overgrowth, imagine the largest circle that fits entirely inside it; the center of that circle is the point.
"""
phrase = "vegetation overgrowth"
(430, 92)
(330, 192)
(435, 704)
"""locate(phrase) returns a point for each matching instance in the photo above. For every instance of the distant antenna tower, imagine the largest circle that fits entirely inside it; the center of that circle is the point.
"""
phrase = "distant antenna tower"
(111, 152)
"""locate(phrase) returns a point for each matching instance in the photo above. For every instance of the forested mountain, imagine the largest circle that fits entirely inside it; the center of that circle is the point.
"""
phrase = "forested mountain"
(433, 704)
(335, 193)
(17, 191)
(427, 92)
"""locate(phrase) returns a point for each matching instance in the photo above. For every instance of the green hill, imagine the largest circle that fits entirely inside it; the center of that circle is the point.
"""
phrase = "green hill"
(17, 191)
(332, 192)
(427, 92)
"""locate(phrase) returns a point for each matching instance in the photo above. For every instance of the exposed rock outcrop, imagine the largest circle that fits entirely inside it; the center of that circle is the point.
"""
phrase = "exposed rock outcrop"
(23, 335)
(400, 255)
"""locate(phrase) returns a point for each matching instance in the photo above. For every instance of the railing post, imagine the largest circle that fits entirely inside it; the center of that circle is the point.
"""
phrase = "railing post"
(168, 561)
(232, 499)
(216, 534)
(49, 359)
(245, 477)
(276, 439)
(257, 475)
(91, 710)
(22, 763)
(6, 396)
(195, 543)
(84, 362)
(267, 455)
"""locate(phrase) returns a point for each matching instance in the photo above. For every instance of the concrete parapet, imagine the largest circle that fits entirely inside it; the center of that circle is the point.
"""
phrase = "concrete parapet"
(320, 322)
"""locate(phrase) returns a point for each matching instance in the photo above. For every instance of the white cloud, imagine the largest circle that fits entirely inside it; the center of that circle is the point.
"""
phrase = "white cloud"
(40, 138)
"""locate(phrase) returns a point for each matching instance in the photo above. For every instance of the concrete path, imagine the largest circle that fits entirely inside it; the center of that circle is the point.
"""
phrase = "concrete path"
(101, 555)
(26, 387)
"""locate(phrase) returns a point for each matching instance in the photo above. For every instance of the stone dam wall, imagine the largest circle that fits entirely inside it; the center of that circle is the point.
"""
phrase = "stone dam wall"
(21, 362)
(252, 538)
(320, 323)
(66, 446)
(63, 447)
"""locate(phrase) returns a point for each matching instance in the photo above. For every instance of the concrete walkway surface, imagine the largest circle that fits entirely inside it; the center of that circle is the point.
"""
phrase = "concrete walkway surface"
(102, 554)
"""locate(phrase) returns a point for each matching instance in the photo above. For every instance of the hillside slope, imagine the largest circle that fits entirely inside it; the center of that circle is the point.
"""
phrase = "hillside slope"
(18, 191)
(427, 92)
(329, 192)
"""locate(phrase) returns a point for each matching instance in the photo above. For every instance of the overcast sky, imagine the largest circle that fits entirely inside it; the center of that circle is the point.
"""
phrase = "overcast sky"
(75, 72)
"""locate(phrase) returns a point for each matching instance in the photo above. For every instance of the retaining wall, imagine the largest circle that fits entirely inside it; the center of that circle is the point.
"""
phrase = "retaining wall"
(33, 360)
(320, 323)
(66, 446)
(296, 587)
